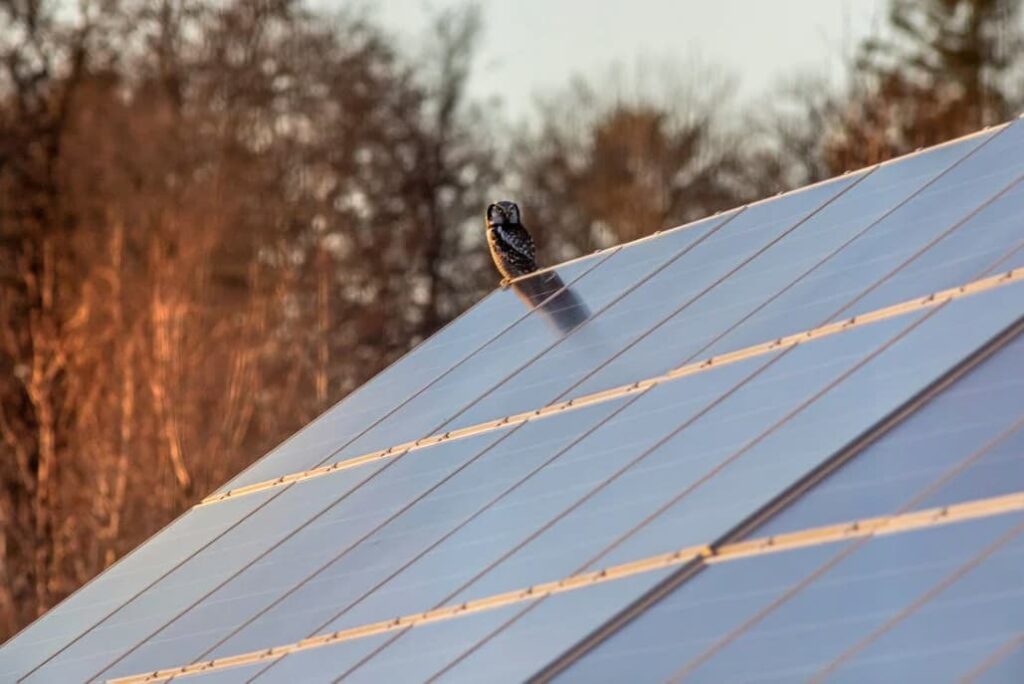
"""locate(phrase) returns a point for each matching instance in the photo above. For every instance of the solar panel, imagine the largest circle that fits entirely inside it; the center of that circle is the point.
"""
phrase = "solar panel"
(500, 314)
(924, 462)
(690, 309)
(1004, 664)
(985, 443)
(732, 450)
(434, 409)
(771, 618)
(319, 569)
(726, 254)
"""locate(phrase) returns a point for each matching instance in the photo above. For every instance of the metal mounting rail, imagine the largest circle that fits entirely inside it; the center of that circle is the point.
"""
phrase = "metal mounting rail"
(764, 348)
(705, 554)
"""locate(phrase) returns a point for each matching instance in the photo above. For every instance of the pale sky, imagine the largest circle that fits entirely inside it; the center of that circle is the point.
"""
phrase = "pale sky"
(531, 47)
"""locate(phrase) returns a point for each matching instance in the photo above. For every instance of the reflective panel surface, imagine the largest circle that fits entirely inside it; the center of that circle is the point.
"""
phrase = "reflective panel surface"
(727, 255)
(687, 335)
(496, 314)
(783, 616)
(916, 455)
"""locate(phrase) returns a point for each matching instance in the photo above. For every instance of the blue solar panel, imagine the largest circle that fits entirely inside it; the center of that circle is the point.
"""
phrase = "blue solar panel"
(499, 313)
(345, 584)
(543, 630)
(834, 420)
(331, 563)
(986, 438)
(321, 665)
(732, 621)
(725, 255)
(949, 633)
(824, 294)
(331, 512)
(1000, 666)
(866, 207)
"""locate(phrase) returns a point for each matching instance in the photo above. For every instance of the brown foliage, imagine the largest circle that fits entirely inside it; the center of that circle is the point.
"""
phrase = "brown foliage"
(212, 225)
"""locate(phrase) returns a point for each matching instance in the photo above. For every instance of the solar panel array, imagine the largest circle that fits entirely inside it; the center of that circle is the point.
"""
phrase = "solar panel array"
(784, 442)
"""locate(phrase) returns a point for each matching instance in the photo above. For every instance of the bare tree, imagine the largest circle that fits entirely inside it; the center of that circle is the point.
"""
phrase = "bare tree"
(604, 168)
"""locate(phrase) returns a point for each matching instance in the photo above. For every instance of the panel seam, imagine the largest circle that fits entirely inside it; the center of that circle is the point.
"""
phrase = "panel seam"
(910, 306)
(789, 541)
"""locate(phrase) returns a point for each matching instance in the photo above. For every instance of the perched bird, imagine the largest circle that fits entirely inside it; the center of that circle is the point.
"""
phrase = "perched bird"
(511, 245)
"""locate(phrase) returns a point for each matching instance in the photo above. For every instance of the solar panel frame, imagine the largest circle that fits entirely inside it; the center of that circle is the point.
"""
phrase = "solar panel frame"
(926, 442)
(603, 556)
(669, 342)
(195, 624)
(462, 329)
(687, 574)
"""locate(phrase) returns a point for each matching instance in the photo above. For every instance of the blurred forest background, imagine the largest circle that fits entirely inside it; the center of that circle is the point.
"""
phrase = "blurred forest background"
(218, 217)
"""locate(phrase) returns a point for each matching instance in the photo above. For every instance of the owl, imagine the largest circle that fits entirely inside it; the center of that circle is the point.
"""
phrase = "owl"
(511, 245)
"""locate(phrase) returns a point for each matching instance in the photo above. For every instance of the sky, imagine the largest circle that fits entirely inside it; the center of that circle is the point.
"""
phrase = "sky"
(532, 47)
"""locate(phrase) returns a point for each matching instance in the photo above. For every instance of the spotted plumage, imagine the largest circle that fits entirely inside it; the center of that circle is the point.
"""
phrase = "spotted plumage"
(511, 246)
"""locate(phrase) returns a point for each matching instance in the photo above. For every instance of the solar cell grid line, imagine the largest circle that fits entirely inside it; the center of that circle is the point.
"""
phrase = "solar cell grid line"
(761, 522)
(876, 582)
(721, 329)
(484, 448)
(638, 358)
(917, 604)
(685, 327)
(454, 595)
(699, 482)
(982, 174)
(487, 506)
(1015, 644)
(496, 659)
(688, 279)
(707, 476)
(986, 270)
(915, 500)
(754, 621)
(934, 299)
(644, 569)
(621, 622)
(627, 269)
(492, 450)
(504, 493)
(577, 609)
(1015, 184)
(57, 610)
(426, 549)
(982, 240)
(329, 548)
(553, 283)
(1008, 530)
(847, 486)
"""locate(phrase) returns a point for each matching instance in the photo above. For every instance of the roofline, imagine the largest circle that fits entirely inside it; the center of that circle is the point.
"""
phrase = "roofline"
(866, 169)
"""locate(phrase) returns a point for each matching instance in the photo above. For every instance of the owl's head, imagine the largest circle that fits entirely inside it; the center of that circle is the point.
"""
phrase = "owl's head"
(502, 213)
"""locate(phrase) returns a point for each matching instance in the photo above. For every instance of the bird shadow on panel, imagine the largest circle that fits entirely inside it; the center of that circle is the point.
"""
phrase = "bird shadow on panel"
(558, 305)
